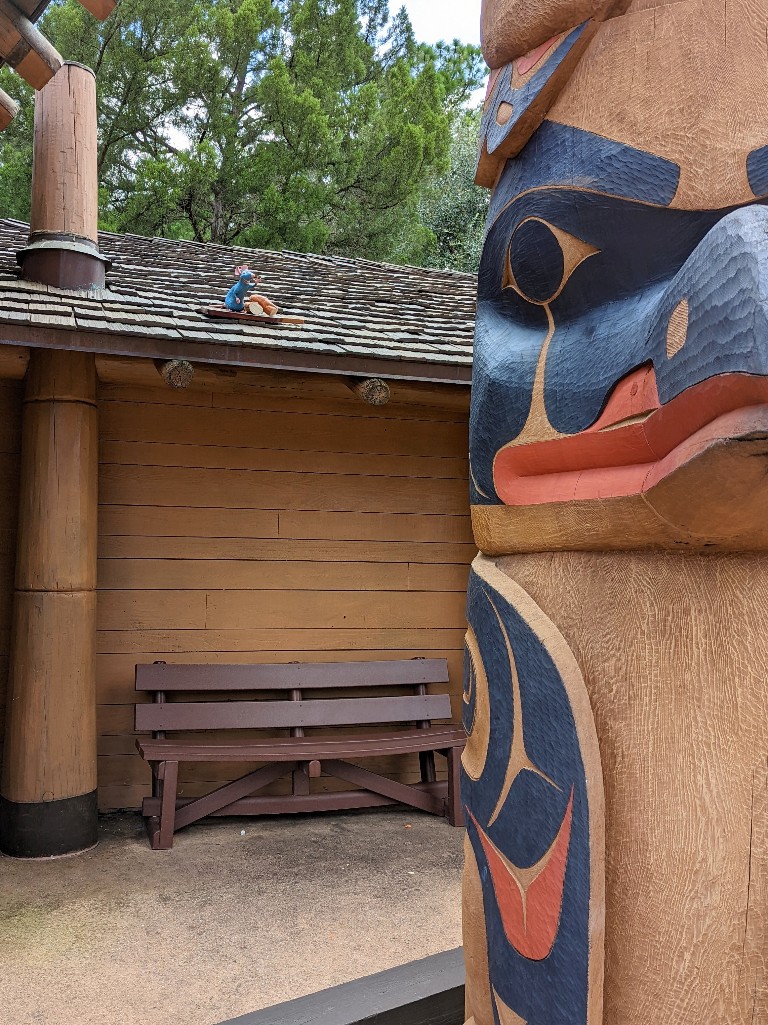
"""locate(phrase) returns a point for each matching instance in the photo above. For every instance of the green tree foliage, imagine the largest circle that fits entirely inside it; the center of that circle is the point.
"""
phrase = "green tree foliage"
(16, 150)
(452, 208)
(310, 125)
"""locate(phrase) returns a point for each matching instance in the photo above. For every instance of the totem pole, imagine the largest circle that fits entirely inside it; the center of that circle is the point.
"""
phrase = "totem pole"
(615, 778)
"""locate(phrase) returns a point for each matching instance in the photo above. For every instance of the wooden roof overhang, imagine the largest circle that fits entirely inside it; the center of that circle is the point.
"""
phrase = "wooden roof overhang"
(24, 48)
(232, 355)
(362, 319)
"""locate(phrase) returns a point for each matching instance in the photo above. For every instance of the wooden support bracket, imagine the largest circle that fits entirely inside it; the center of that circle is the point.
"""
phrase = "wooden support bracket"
(9, 108)
(100, 9)
(25, 49)
(177, 373)
(372, 390)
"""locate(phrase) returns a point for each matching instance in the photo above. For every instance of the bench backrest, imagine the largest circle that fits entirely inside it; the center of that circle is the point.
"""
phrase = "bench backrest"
(297, 711)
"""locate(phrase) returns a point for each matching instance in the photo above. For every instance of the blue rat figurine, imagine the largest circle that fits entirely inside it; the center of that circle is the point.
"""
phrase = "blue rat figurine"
(236, 296)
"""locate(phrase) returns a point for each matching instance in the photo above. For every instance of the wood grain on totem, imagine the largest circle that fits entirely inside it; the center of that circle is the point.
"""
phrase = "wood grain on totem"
(542, 940)
(313, 570)
(520, 95)
(510, 28)
(673, 650)
(710, 56)
(478, 1004)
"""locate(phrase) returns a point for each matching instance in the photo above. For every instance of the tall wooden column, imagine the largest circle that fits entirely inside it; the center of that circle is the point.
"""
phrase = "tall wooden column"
(63, 240)
(48, 787)
(48, 803)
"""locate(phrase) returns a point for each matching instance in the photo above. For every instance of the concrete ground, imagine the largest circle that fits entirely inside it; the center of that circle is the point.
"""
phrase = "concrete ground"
(224, 923)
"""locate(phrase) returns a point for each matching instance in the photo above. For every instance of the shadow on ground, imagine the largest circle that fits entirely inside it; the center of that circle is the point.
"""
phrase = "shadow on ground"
(224, 923)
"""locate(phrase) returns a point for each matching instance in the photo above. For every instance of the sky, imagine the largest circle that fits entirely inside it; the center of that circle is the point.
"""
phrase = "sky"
(433, 20)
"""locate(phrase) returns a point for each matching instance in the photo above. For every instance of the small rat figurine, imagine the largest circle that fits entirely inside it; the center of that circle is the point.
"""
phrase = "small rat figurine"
(238, 299)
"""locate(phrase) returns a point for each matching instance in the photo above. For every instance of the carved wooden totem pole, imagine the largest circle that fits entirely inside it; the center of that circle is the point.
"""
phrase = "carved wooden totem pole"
(616, 695)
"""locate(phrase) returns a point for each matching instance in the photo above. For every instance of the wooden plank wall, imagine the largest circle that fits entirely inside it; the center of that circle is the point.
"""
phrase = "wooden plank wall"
(10, 440)
(263, 525)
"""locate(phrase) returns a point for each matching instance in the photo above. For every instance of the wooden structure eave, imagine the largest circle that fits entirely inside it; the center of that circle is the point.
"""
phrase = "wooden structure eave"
(30, 336)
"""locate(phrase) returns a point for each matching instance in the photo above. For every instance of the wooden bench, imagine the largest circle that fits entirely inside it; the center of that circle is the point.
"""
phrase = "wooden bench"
(303, 756)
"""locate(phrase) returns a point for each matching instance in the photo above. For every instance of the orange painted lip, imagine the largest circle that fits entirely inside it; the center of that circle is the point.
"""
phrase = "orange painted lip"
(635, 443)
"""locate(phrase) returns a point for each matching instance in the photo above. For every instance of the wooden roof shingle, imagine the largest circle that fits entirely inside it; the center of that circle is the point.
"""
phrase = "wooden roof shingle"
(416, 321)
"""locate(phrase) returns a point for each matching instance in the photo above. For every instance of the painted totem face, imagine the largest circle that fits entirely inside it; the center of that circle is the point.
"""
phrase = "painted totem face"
(620, 400)
(621, 355)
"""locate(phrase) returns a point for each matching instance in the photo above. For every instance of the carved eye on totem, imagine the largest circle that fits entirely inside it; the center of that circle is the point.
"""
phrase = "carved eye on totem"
(540, 260)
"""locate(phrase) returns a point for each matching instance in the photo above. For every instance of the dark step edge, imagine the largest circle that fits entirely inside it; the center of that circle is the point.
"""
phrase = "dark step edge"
(425, 992)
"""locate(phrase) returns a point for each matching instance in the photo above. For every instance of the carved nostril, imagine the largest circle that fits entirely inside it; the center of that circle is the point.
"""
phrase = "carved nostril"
(677, 329)
(504, 113)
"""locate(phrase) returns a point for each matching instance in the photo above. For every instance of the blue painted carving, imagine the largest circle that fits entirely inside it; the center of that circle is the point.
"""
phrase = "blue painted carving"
(612, 314)
(561, 156)
(757, 171)
(552, 990)
(523, 97)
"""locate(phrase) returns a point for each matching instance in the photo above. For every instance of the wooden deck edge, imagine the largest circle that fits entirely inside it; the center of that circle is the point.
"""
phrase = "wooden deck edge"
(425, 992)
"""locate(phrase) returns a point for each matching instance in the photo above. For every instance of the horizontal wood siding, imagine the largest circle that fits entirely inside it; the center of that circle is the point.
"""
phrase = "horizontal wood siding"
(10, 441)
(257, 526)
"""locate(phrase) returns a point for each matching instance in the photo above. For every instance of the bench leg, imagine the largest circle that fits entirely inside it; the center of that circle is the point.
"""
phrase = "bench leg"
(427, 766)
(455, 812)
(164, 838)
(300, 779)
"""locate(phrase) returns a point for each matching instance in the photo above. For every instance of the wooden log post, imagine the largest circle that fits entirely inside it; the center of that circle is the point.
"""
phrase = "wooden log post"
(63, 240)
(48, 803)
(48, 786)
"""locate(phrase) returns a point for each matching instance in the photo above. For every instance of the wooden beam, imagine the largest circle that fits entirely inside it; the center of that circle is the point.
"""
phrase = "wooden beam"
(372, 390)
(13, 363)
(225, 354)
(100, 9)
(177, 373)
(25, 49)
(9, 108)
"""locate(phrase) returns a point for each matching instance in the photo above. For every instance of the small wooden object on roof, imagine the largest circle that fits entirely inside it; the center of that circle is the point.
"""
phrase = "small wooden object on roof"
(26, 49)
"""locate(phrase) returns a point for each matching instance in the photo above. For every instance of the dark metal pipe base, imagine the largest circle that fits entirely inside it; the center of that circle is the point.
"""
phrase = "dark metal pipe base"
(48, 829)
(64, 261)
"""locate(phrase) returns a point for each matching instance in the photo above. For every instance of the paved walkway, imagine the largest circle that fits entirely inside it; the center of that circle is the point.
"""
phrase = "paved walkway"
(224, 923)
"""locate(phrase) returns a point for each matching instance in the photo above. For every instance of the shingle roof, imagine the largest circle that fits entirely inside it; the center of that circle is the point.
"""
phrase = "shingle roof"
(355, 309)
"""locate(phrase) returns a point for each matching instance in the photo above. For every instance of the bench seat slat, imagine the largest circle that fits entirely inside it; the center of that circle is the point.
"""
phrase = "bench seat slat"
(217, 715)
(289, 749)
(284, 676)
